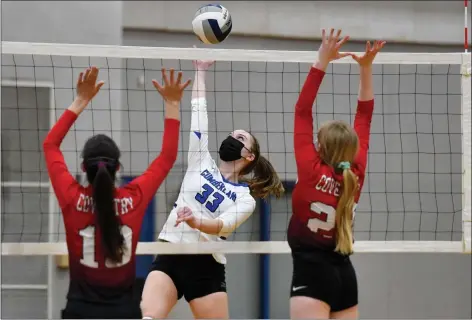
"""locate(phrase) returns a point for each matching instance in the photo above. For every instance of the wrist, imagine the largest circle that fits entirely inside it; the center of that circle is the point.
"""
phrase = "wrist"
(78, 105)
(82, 100)
(367, 67)
(171, 103)
(321, 65)
(172, 110)
(194, 223)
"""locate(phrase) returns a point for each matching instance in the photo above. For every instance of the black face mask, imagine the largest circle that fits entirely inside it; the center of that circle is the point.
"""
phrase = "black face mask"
(230, 149)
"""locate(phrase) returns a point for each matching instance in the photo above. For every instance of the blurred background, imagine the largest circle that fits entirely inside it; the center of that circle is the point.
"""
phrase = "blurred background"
(391, 286)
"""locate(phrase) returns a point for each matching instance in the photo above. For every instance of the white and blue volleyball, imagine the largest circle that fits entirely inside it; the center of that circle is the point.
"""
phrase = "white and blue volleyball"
(212, 23)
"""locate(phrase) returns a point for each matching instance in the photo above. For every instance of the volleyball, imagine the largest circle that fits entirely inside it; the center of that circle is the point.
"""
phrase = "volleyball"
(212, 23)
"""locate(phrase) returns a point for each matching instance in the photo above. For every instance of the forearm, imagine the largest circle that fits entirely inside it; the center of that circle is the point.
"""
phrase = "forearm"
(78, 105)
(320, 65)
(366, 90)
(199, 118)
(208, 226)
(59, 130)
(170, 144)
(303, 130)
(172, 110)
(199, 88)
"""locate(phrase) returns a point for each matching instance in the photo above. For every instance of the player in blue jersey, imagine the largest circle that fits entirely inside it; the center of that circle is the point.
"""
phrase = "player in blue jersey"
(214, 200)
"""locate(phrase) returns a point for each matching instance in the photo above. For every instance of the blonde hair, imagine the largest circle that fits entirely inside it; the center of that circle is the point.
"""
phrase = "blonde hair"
(338, 145)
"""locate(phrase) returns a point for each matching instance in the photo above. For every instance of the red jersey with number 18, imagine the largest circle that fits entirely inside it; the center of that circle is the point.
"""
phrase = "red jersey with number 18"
(91, 277)
(316, 194)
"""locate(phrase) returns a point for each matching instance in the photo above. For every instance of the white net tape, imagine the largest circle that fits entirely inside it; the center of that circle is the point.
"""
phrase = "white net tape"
(458, 239)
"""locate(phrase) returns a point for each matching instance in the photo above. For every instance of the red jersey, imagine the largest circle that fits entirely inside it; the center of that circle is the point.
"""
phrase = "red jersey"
(315, 196)
(91, 277)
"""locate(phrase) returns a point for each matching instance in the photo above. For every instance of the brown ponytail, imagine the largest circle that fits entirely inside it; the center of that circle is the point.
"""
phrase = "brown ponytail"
(265, 180)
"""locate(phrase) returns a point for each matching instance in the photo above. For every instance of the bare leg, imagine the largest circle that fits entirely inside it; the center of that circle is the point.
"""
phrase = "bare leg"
(159, 296)
(212, 306)
(308, 308)
(349, 313)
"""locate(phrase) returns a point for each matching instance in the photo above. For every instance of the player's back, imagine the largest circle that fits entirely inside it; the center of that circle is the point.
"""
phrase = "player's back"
(92, 277)
(314, 203)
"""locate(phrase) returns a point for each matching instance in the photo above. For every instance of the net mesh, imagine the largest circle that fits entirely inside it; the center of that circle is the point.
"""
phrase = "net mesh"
(413, 192)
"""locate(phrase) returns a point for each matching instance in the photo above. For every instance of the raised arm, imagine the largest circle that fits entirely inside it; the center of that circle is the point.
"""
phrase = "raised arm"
(151, 179)
(365, 104)
(224, 224)
(198, 141)
(306, 155)
(63, 183)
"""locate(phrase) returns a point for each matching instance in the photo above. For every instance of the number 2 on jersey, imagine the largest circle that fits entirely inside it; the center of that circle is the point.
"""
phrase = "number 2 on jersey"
(202, 197)
(89, 243)
(326, 217)
(325, 220)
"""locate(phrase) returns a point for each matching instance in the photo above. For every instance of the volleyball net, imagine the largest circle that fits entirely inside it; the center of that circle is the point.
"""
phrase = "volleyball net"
(417, 192)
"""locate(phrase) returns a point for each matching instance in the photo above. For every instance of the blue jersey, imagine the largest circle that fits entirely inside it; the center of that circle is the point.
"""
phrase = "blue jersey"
(205, 191)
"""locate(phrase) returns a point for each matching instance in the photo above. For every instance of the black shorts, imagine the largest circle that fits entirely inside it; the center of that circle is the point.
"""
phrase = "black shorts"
(194, 276)
(85, 310)
(325, 276)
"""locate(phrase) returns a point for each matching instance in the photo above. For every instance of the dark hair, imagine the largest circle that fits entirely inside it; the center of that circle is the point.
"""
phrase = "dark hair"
(265, 180)
(101, 161)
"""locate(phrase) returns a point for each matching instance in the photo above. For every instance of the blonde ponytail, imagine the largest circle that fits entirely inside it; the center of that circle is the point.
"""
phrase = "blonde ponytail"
(344, 211)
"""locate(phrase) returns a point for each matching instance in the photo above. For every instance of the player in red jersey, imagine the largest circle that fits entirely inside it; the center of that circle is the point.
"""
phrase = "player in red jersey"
(330, 177)
(102, 222)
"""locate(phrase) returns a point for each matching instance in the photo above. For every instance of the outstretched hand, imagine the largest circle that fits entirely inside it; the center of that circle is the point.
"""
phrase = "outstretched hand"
(330, 45)
(202, 65)
(87, 86)
(173, 89)
(370, 53)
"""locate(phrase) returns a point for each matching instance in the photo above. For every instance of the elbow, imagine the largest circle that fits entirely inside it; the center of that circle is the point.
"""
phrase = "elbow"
(225, 228)
(167, 163)
(169, 157)
(47, 144)
(302, 111)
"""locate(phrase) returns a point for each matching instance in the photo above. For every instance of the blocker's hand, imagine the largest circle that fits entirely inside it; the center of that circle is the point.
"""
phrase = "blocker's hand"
(173, 89)
(370, 53)
(330, 45)
(202, 65)
(87, 86)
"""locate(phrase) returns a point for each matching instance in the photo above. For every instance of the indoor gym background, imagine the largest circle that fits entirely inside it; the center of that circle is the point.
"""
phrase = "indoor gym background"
(404, 285)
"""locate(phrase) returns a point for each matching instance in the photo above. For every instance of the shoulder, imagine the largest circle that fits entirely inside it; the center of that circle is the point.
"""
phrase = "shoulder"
(358, 170)
(128, 197)
(80, 200)
(129, 190)
(319, 171)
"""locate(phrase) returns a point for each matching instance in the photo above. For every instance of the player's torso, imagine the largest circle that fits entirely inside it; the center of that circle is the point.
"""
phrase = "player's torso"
(208, 195)
(314, 206)
(86, 257)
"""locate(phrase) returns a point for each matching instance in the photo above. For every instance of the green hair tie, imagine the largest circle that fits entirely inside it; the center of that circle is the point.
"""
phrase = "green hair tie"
(344, 165)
